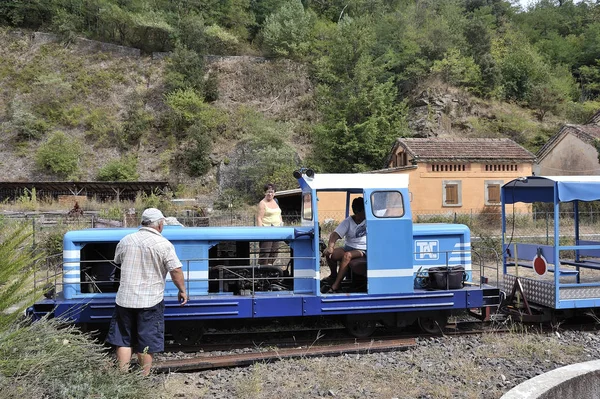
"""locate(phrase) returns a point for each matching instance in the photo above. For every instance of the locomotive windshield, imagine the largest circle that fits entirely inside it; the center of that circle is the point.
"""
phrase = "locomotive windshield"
(387, 204)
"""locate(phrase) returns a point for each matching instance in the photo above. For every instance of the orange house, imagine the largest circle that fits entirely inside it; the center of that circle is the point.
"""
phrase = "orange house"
(458, 175)
(445, 176)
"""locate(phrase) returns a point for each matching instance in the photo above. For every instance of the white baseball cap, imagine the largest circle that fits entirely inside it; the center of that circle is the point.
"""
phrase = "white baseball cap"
(151, 215)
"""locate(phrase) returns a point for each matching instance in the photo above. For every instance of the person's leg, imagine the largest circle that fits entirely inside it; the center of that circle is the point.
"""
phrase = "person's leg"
(273, 252)
(348, 256)
(145, 362)
(332, 261)
(263, 252)
(124, 357)
(120, 335)
(151, 335)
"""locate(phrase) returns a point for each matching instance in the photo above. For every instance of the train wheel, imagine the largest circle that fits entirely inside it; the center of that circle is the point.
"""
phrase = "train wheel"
(186, 333)
(433, 325)
(360, 328)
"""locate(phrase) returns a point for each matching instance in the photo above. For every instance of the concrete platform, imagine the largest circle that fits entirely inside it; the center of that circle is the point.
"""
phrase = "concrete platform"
(581, 380)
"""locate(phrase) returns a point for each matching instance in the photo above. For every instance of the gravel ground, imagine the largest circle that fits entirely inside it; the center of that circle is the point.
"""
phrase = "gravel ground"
(476, 366)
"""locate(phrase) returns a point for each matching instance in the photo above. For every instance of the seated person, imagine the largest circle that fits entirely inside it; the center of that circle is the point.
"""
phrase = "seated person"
(354, 230)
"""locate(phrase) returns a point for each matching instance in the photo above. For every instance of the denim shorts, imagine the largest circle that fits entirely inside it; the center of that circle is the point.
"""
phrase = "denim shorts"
(348, 249)
(141, 329)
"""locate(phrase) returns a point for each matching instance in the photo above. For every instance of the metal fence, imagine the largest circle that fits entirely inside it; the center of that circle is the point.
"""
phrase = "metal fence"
(486, 227)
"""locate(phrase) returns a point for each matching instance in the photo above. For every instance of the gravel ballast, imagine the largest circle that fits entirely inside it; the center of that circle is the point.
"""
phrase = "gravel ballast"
(471, 366)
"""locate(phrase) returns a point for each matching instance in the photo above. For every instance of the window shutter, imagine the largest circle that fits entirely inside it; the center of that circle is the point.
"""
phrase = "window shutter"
(451, 194)
(494, 193)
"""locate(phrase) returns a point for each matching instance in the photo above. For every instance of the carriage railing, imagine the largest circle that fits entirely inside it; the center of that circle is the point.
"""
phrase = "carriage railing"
(482, 269)
(47, 275)
(51, 279)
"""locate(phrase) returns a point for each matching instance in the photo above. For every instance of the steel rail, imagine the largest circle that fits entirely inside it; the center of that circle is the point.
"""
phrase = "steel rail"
(208, 362)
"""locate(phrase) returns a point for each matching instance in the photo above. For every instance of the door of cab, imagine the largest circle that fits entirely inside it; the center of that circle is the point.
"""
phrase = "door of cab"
(389, 241)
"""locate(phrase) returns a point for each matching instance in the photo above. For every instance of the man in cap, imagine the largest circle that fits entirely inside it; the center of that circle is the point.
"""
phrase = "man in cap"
(138, 320)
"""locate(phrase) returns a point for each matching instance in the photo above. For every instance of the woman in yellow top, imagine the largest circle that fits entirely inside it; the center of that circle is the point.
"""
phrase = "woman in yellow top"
(269, 214)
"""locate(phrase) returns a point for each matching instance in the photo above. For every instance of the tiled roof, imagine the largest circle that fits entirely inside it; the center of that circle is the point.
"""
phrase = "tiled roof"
(428, 149)
(586, 133)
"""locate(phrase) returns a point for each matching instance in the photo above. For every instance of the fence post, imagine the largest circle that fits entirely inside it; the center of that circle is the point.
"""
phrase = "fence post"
(547, 227)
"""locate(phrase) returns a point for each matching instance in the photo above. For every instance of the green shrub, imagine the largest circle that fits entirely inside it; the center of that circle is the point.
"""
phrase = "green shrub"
(198, 149)
(124, 169)
(112, 213)
(25, 123)
(185, 107)
(59, 155)
(185, 70)
(137, 122)
(220, 41)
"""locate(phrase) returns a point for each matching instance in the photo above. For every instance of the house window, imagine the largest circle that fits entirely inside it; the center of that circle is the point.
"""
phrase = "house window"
(452, 193)
(437, 167)
(400, 159)
(492, 191)
(501, 168)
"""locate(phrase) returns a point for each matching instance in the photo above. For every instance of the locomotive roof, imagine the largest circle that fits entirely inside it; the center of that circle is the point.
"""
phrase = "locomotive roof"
(541, 189)
(353, 181)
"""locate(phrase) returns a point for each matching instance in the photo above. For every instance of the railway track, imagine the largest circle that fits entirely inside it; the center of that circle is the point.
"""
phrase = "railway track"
(268, 347)
(208, 362)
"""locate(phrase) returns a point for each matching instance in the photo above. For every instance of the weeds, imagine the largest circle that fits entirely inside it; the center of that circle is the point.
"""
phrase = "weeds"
(49, 359)
(52, 360)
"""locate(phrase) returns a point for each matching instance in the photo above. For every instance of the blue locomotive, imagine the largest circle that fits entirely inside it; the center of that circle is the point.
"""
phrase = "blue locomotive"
(413, 273)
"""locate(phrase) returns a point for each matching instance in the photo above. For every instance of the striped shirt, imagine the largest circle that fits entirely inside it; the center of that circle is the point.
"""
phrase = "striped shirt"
(145, 258)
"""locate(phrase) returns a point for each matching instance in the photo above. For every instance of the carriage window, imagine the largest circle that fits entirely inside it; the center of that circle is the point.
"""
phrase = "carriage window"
(387, 204)
(307, 213)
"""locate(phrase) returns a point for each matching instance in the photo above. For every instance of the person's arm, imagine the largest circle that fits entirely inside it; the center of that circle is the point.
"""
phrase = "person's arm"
(280, 218)
(261, 214)
(331, 244)
(118, 254)
(179, 281)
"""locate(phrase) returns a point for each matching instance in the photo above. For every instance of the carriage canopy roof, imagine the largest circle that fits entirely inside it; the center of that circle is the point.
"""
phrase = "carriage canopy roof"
(542, 188)
(356, 181)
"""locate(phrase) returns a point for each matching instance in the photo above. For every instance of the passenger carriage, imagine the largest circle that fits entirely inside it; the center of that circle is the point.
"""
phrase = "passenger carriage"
(225, 281)
(557, 273)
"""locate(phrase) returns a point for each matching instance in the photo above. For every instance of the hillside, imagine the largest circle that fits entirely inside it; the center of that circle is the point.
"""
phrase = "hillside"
(97, 94)
(87, 92)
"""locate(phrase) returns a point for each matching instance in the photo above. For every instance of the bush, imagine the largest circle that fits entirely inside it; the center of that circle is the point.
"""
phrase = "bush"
(220, 41)
(124, 169)
(59, 155)
(186, 105)
(25, 123)
(198, 149)
(137, 122)
(185, 70)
